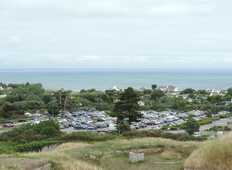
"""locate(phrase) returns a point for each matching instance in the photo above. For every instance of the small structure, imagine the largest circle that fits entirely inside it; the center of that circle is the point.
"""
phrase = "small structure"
(141, 103)
(3, 96)
(28, 114)
(135, 157)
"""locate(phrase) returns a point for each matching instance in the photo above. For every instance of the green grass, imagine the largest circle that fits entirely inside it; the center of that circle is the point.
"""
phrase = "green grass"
(160, 154)
(7, 147)
(87, 136)
(92, 151)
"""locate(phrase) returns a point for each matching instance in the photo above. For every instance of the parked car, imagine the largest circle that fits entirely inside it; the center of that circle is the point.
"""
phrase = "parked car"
(8, 125)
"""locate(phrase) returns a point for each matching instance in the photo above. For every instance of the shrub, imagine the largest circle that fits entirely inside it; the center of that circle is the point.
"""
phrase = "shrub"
(87, 136)
(29, 132)
(34, 146)
(159, 133)
(6, 147)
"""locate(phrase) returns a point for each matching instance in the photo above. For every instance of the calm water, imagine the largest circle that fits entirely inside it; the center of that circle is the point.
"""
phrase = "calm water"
(105, 80)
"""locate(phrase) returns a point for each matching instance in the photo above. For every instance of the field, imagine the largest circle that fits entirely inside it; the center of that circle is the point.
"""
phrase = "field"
(160, 154)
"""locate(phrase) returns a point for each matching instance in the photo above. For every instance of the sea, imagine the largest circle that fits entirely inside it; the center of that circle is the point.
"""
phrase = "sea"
(101, 80)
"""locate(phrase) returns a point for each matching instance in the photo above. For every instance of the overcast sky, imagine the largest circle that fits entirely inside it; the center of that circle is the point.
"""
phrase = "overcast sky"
(137, 34)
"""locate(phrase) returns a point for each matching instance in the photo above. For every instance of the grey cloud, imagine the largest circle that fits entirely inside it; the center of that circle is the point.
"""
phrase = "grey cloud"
(115, 33)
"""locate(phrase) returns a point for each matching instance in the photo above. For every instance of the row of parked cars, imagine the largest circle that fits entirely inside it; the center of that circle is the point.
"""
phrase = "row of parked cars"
(87, 120)
(156, 120)
(99, 120)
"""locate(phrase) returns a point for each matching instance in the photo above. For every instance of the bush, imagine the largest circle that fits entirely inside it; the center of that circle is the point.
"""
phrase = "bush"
(34, 146)
(205, 121)
(29, 132)
(7, 148)
(159, 133)
(87, 136)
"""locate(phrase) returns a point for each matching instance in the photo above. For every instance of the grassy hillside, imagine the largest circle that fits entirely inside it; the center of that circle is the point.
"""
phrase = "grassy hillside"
(212, 155)
(160, 154)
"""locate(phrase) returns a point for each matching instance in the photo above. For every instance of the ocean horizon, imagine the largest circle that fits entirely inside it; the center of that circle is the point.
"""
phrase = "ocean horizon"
(102, 79)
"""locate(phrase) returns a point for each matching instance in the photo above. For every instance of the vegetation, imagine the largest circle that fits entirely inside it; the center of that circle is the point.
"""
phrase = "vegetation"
(127, 109)
(34, 137)
(110, 151)
(109, 155)
(28, 132)
(87, 137)
(213, 155)
(191, 125)
(21, 98)
(161, 134)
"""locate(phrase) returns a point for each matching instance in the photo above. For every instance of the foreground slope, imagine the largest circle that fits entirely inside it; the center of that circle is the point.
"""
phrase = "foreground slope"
(212, 155)
(160, 154)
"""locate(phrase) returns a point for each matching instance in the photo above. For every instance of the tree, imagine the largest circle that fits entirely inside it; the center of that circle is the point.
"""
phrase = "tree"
(180, 104)
(187, 91)
(53, 107)
(229, 91)
(156, 94)
(153, 86)
(191, 125)
(7, 110)
(25, 91)
(127, 109)
(62, 97)
(215, 99)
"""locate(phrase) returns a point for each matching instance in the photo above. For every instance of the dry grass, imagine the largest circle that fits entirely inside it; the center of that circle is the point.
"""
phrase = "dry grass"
(14, 163)
(160, 154)
(213, 155)
(62, 160)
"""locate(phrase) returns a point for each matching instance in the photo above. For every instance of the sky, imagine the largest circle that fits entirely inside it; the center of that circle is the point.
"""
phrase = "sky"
(124, 34)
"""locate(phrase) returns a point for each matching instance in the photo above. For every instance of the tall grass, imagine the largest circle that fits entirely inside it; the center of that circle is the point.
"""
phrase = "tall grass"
(63, 161)
(213, 155)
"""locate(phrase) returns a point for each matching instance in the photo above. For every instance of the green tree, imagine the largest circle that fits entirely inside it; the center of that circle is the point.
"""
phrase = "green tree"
(127, 109)
(229, 92)
(63, 99)
(53, 107)
(25, 91)
(156, 94)
(153, 86)
(188, 91)
(7, 110)
(191, 125)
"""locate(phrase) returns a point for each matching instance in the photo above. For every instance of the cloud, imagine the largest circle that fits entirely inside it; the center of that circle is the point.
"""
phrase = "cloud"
(115, 33)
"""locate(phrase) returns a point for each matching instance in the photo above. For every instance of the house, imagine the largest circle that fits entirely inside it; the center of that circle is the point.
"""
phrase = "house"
(215, 92)
(223, 113)
(115, 88)
(169, 88)
(3, 96)
(172, 88)
(141, 103)
(27, 114)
